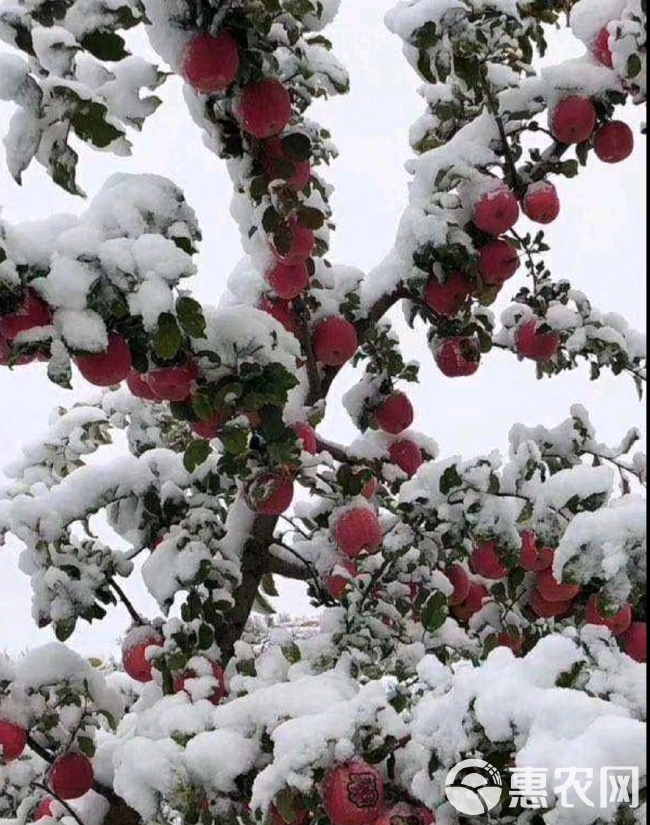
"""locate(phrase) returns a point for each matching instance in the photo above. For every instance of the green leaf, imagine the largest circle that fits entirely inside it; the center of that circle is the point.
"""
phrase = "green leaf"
(64, 629)
(167, 340)
(311, 218)
(291, 653)
(206, 637)
(105, 45)
(297, 147)
(86, 746)
(268, 585)
(196, 454)
(449, 480)
(285, 802)
(634, 65)
(434, 612)
(190, 315)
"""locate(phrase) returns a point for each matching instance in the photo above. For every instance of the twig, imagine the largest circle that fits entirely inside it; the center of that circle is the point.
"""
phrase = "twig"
(137, 618)
(51, 793)
(337, 452)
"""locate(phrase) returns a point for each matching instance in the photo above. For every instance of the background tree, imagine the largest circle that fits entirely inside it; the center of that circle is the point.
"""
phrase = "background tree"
(482, 607)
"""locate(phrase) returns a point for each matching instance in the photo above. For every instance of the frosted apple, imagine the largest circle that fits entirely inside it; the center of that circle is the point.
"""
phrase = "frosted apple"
(545, 609)
(43, 810)
(534, 558)
(536, 345)
(458, 356)
(335, 341)
(211, 62)
(395, 414)
(104, 369)
(461, 582)
(270, 494)
(336, 584)
(134, 652)
(617, 624)
(173, 383)
(300, 244)
(282, 311)
(71, 776)
(220, 689)
(353, 793)
(614, 142)
(472, 604)
(356, 531)
(573, 120)
(288, 280)
(541, 203)
(496, 211)
(406, 455)
(307, 435)
(449, 298)
(279, 166)
(264, 108)
(600, 48)
(139, 386)
(498, 261)
(485, 561)
(635, 642)
(13, 739)
(554, 591)
(33, 313)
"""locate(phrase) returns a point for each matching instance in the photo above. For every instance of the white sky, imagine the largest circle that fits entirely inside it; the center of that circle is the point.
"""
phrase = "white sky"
(598, 244)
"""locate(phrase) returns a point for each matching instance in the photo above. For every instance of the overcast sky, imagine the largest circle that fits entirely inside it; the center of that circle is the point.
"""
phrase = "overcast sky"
(598, 244)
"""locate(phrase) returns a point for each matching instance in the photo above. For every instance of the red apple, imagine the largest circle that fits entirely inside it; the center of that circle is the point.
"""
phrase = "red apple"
(173, 383)
(485, 561)
(307, 435)
(220, 689)
(472, 604)
(356, 531)
(498, 261)
(279, 166)
(288, 280)
(13, 739)
(335, 341)
(554, 591)
(511, 640)
(139, 386)
(134, 649)
(461, 582)
(353, 793)
(264, 108)
(211, 62)
(616, 624)
(407, 456)
(539, 346)
(71, 776)
(213, 426)
(301, 244)
(104, 369)
(405, 814)
(534, 558)
(573, 120)
(635, 643)
(395, 414)
(614, 142)
(335, 583)
(282, 311)
(541, 203)
(449, 298)
(44, 809)
(458, 356)
(496, 211)
(270, 494)
(600, 48)
(33, 313)
(545, 609)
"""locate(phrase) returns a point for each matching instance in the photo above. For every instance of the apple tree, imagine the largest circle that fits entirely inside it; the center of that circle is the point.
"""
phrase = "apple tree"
(485, 607)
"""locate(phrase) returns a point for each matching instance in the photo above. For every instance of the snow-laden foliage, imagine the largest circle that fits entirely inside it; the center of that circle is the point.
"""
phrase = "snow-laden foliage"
(490, 607)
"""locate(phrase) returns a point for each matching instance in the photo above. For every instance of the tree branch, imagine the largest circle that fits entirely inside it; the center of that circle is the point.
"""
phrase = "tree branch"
(288, 569)
(313, 371)
(137, 618)
(337, 452)
(62, 802)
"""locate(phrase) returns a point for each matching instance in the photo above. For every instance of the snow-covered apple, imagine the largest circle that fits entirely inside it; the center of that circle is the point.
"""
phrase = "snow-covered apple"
(353, 793)
(540, 202)
(264, 108)
(496, 211)
(335, 582)
(298, 243)
(635, 641)
(614, 142)
(13, 739)
(282, 311)
(357, 530)
(173, 383)
(211, 62)
(288, 280)
(512, 640)
(32, 313)
(220, 689)
(533, 557)
(43, 810)
(545, 609)
(139, 386)
(104, 369)
(449, 298)
(554, 591)
(498, 261)
(134, 652)
(406, 455)
(573, 119)
(486, 561)
(532, 342)
(307, 435)
(71, 776)
(270, 494)
(394, 414)
(278, 165)
(335, 341)
(617, 624)
(457, 357)
(600, 48)
(461, 582)
(474, 601)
